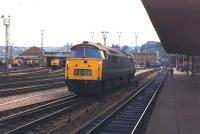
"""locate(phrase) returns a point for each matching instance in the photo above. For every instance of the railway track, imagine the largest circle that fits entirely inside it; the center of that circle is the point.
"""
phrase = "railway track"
(22, 83)
(12, 111)
(29, 122)
(32, 81)
(26, 74)
(25, 121)
(18, 71)
(30, 76)
(98, 106)
(131, 115)
(31, 88)
(3, 68)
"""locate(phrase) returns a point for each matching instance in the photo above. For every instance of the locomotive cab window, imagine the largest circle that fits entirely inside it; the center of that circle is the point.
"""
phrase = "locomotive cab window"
(77, 52)
(85, 52)
(92, 52)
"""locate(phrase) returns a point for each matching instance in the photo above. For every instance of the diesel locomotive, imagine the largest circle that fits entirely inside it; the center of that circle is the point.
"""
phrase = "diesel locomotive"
(32, 62)
(29, 62)
(17, 62)
(57, 62)
(93, 69)
(3, 62)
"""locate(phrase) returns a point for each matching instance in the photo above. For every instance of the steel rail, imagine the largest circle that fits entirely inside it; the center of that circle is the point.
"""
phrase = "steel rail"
(38, 108)
(8, 112)
(28, 77)
(25, 127)
(38, 114)
(24, 69)
(18, 72)
(29, 82)
(30, 88)
(140, 107)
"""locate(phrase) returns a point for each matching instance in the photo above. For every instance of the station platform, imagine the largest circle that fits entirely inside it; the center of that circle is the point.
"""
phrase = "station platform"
(177, 110)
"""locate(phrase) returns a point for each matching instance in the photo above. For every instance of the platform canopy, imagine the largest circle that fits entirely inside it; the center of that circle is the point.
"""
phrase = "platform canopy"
(177, 23)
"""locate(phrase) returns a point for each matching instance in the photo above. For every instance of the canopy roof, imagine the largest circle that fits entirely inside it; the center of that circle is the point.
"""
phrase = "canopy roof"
(177, 23)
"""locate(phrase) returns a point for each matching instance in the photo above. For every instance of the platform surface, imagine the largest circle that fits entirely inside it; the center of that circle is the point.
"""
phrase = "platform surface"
(177, 110)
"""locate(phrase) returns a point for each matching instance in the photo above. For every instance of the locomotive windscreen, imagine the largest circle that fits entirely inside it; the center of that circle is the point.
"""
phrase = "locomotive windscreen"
(85, 52)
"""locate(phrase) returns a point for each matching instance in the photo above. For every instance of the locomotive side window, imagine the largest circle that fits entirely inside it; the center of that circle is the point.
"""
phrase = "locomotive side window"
(104, 55)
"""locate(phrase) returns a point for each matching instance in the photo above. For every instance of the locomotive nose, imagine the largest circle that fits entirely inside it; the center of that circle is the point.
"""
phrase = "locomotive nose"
(83, 69)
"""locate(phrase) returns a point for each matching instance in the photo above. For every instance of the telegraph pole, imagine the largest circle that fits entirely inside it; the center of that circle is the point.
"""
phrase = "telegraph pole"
(119, 35)
(42, 36)
(104, 34)
(92, 35)
(6, 22)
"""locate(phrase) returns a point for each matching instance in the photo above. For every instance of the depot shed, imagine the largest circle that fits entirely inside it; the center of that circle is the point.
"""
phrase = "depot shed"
(52, 55)
(33, 53)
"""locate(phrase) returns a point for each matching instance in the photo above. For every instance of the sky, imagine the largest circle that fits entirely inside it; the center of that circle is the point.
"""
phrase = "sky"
(73, 21)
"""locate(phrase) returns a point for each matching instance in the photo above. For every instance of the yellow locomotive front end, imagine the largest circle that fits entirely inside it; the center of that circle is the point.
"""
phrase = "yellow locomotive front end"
(84, 69)
(15, 62)
(55, 62)
(29, 62)
(3, 61)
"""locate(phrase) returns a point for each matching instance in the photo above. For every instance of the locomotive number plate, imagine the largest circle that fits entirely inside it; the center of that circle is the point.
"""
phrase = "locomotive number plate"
(83, 72)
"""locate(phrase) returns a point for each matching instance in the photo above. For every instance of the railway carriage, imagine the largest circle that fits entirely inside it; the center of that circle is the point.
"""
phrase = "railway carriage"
(93, 69)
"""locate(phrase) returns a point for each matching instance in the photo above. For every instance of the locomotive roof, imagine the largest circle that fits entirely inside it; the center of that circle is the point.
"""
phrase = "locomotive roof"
(110, 50)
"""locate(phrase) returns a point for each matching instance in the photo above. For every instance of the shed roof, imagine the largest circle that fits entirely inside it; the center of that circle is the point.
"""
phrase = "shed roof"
(33, 51)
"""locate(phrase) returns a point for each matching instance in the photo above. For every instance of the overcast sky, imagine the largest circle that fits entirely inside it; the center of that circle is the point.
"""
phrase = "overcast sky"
(73, 21)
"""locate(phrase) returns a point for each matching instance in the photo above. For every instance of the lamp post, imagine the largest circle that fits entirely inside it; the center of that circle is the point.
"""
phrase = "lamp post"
(42, 36)
(92, 35)
(11, 52)
(119, 35)
(6, 22)
(136, 36)
(104, 34)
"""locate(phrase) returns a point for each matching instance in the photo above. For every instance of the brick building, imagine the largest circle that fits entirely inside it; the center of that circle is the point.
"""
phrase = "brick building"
(144, 59)
(34, 53)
